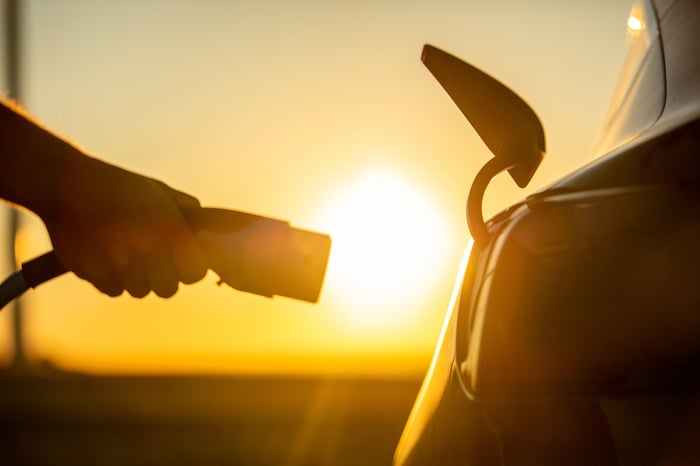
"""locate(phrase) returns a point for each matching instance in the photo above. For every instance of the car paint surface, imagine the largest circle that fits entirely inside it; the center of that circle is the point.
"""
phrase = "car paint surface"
(651, 147)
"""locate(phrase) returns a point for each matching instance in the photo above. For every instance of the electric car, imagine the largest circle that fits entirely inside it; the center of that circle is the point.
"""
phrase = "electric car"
(573, 333)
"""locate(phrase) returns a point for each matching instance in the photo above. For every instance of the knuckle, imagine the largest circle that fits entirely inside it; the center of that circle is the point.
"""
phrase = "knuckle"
(138, 292)
(166, 291)
(110, 288)
(193, 274)
(162, 278)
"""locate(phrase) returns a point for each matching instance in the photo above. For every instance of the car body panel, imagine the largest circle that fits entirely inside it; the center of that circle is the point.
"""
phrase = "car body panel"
(642, 197)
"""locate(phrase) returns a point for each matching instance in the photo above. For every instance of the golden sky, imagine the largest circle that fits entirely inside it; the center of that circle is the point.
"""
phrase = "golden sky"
(315, 112)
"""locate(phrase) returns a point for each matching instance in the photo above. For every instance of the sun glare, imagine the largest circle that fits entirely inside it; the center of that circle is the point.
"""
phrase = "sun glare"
(389, 242)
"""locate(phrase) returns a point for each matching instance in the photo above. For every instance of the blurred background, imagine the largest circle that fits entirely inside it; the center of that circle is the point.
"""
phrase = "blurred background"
(316, 112)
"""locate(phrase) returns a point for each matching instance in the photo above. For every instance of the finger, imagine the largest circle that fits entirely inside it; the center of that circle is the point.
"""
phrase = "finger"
(111, 288)
(217, 258)
(134, 280)
(182, 199)
(101, 277)
(189, 259)
(162, 277)
(187, 205)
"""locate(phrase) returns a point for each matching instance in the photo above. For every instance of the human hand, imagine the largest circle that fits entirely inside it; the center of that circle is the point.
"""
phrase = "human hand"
(122, 231)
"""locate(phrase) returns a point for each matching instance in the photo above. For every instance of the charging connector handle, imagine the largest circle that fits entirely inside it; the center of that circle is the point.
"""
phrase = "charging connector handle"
(250, 253)
(42, 269)
(32, 274)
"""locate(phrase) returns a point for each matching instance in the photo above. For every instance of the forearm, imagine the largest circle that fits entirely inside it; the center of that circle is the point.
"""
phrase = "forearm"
(115, 228)
(33, 161)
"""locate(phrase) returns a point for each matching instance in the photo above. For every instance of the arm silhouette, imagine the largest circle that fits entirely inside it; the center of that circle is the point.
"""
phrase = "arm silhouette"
(112, 227)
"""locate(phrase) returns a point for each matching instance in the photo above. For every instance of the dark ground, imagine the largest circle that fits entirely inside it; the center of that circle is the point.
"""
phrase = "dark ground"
(66, 419)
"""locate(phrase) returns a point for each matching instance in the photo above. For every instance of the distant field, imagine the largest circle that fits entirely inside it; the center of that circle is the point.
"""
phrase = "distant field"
(84, 420)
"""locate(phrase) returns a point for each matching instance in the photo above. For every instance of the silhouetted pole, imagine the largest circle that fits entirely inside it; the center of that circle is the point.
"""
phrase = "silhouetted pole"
(13, 25)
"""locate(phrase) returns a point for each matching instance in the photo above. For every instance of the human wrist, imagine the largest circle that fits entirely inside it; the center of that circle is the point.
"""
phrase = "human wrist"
(35, 161)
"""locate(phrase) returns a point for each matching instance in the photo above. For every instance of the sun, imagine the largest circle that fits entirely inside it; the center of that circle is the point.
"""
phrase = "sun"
(388, 241)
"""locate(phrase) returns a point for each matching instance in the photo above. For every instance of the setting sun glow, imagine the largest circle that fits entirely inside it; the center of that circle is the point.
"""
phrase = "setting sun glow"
(388, 241)
(319, 113)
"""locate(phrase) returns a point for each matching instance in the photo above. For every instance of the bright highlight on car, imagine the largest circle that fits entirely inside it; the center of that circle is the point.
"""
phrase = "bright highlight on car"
(634, 23)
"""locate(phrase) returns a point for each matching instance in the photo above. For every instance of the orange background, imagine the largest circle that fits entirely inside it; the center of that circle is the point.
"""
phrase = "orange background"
(316, 112)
